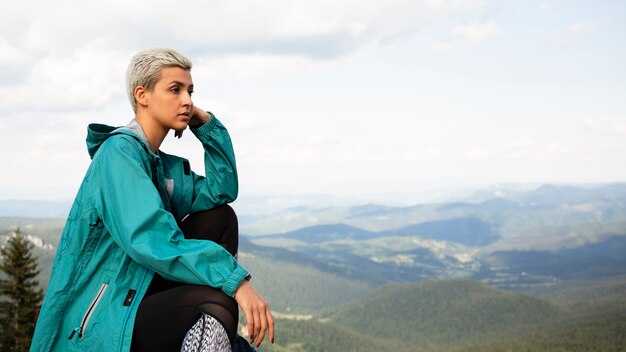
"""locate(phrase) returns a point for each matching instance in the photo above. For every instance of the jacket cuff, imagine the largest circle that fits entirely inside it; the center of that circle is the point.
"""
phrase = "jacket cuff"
(231, 284)
(202, 132)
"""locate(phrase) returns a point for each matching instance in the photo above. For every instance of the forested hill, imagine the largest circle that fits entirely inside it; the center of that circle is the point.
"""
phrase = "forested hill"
(441, 313)
(467, 316)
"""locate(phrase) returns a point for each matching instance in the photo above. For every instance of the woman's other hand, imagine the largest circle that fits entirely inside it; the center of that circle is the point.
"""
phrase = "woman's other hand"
(257, 313)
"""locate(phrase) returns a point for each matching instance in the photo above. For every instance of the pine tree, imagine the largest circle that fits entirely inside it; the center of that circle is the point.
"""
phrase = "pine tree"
(20, 296)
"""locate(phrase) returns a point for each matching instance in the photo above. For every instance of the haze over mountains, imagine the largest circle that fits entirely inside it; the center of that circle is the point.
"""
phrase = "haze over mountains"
(563, 245)
(514, 238)
(505, 236)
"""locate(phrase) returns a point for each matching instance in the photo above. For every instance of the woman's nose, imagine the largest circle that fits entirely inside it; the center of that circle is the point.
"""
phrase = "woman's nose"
(187, 99)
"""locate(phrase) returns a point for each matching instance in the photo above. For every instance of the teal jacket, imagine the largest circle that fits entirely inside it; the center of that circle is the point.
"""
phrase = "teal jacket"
(122, 228)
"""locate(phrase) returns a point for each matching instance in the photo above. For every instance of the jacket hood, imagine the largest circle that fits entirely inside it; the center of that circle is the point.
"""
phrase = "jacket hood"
(98, 133)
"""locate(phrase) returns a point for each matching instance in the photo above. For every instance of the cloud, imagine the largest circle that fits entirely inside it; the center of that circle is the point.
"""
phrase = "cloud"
(587, 25)
(573, 35)
(365, 156)
(605, 126)
(520, 143)
(316, 28)
(476, 153)
(545, 7)
(11, 54)
(14, 63)
(521, 148)
(328, 151)
(86, 78)
(426, 154)
(252, 66)
(468, 35)
(41, 150)
(74, 59)
(526, 148)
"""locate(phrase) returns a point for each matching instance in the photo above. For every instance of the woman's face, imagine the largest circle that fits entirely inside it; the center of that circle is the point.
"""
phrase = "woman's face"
(169, 102)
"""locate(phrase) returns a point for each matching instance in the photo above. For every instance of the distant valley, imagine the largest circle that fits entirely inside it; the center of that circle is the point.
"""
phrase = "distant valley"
(557, 250)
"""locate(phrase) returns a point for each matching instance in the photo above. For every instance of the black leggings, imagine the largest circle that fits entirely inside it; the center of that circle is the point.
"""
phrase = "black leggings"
(169, 309)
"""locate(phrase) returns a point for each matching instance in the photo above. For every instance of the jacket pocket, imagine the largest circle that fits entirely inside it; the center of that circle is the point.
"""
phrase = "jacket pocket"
(92, 307)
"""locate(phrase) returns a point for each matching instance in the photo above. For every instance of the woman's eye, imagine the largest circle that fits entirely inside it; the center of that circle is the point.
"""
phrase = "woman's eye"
(175, 89)
(190, 92)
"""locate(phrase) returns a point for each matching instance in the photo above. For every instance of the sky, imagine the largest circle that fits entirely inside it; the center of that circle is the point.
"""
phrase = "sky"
(344, 98)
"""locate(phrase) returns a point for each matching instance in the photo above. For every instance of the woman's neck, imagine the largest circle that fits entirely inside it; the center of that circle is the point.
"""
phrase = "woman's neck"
(155, 132)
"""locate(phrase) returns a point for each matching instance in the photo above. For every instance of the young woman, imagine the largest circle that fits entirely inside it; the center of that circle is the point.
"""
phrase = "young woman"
(125, 275)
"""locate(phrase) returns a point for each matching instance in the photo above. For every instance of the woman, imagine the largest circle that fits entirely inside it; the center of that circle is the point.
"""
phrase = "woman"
(125, 275)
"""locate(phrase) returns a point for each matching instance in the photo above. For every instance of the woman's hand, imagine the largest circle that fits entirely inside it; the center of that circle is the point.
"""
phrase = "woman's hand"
(198, 118)
(256, 311)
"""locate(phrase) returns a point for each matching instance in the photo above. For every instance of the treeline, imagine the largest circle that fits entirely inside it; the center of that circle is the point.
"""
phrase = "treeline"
(604, 334)
(449, 313)
(315, 336)
(461, 316)
(607, 334)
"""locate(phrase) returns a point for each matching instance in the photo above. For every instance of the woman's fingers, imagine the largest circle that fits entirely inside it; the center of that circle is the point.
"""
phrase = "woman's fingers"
(250, 323)
(258, 328)
(264, 322)
(270, 324)
(260, 322)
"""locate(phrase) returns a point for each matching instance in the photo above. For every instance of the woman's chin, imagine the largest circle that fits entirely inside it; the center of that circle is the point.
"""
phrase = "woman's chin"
(179, 125)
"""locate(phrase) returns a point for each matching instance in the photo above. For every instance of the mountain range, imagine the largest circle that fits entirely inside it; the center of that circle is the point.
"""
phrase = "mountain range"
(390, 277)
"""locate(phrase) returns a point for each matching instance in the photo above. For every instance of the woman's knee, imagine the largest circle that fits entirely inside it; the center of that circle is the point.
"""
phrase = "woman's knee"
(220, 215)
(218, 224)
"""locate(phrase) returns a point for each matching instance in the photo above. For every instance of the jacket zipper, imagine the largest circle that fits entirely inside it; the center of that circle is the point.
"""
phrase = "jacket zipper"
(89, 312)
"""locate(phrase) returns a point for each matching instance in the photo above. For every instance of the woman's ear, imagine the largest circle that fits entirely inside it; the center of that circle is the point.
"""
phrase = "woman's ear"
(141, 95)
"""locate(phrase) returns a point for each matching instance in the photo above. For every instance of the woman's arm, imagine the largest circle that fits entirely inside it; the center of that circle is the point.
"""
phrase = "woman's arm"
(219, 162)
(132, 211)
(220, 185)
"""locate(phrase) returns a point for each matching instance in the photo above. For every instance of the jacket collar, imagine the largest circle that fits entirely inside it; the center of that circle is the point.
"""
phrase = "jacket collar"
(98, 133)
(134, 126)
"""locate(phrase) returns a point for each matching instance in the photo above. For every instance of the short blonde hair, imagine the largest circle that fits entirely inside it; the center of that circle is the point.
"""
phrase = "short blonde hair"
(145, 69)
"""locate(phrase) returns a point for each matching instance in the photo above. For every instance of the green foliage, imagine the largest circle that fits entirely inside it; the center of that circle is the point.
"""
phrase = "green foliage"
(611, 290)
(21, 296)
(607, 333)
(440, 313)
(407, 323)
(316, 336)
(49, 230)
(297, 288)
